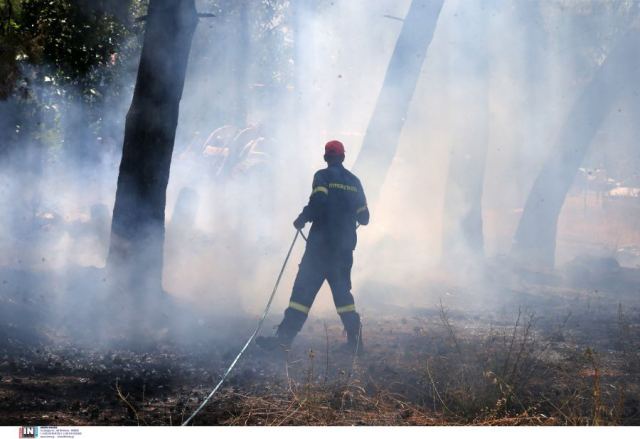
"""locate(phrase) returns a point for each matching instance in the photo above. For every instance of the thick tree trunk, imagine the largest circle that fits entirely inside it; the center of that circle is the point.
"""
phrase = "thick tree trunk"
(468, 93)
(137, 232)
(303, 71)
(535, 240)
(383, 133)
(535, 64)
(242, 55)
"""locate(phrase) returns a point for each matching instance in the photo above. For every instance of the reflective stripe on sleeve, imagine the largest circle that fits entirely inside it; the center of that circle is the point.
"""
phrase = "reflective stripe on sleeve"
(361, 209)
(344, 187)
(346, 308)
(299, 307)
(320, 189)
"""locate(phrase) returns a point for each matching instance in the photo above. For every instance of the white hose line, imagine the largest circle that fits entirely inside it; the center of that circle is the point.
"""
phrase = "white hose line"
(255, 332)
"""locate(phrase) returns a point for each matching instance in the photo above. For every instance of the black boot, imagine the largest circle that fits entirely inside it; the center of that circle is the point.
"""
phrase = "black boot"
(287, 331)
(273, 343)
(354, 340)
(353, 327)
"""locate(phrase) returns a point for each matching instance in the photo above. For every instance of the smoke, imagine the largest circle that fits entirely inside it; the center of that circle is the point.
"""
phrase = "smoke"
(258, 105)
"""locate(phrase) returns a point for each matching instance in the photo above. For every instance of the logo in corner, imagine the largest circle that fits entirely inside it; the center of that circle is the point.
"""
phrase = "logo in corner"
(28, 432)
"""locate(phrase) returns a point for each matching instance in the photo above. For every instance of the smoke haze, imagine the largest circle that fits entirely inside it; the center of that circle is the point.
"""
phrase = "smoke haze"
(312, 72)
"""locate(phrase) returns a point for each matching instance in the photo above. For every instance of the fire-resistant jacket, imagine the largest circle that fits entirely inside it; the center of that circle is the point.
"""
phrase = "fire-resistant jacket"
(337, 203)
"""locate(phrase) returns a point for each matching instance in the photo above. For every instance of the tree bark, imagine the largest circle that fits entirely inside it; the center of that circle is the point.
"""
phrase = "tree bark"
(242, 55)
(137, 231)
(535, 240)
(303, 71)
(383, 133)
(468, 93)
(535, 64)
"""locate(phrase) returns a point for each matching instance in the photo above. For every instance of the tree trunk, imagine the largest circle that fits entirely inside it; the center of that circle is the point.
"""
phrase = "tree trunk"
(383, 133)
(303, 71)
(137, 231)
(530, 126)
(242, 54)
(535, 240)
(468, 93)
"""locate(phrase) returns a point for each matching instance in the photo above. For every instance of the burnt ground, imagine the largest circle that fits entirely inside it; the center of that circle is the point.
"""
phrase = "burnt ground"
(529, 354)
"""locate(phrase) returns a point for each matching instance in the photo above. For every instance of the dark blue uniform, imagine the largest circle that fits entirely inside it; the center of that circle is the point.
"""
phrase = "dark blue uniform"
(336, 205)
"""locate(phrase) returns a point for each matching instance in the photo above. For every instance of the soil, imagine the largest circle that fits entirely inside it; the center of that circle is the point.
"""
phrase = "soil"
(543, 355)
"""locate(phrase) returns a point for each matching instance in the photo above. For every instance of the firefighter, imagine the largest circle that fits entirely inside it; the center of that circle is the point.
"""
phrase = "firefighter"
(336, 205)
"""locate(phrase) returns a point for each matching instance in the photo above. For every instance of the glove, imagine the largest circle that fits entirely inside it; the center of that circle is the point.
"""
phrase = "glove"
(299, 223)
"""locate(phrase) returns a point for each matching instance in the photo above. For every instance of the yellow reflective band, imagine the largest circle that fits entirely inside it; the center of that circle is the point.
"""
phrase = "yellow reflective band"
(344, 187)
(346, 308)
(320, 189)
(299, 307)
(362, 209)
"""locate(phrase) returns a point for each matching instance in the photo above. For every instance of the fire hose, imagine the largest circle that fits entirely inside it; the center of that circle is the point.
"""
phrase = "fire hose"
(253, 335)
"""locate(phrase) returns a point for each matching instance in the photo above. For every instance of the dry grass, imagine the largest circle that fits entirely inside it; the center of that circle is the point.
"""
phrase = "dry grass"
(446, 371)
(577, 364)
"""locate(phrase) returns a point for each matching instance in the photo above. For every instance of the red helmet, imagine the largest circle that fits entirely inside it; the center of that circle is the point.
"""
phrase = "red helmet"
(334, 147)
